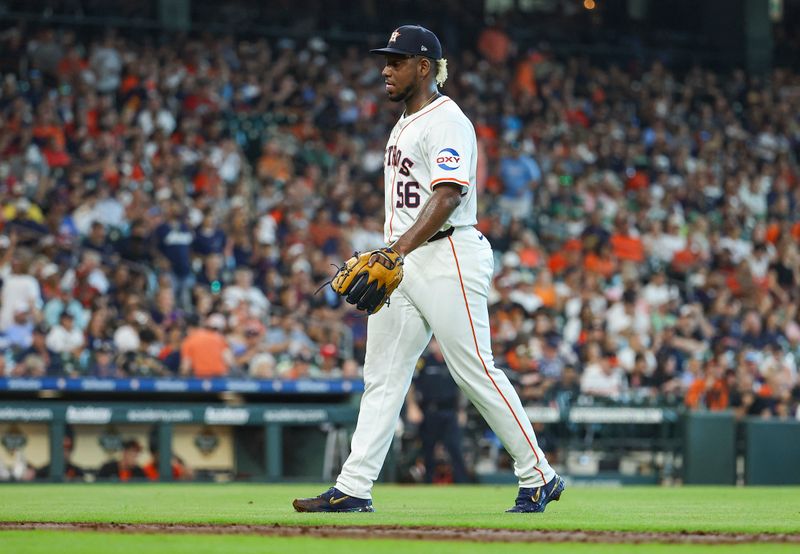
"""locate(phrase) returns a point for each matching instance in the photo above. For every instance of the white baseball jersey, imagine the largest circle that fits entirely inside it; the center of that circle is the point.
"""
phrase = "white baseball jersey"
(432, 146)
(444, 293)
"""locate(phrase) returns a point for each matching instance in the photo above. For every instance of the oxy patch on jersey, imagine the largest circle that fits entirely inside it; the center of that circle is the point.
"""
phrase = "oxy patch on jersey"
(448, 159)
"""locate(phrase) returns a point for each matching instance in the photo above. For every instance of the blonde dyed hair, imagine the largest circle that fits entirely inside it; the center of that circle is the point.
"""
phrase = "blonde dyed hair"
(441, 72)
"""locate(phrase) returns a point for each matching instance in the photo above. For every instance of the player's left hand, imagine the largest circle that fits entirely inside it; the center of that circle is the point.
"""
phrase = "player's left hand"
(368, 279)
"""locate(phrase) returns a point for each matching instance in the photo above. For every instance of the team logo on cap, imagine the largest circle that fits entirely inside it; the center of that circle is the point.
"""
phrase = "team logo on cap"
(394, 36)
(448, 159)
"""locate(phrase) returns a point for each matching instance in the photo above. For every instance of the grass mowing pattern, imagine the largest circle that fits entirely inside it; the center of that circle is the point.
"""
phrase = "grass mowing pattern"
(709, 509)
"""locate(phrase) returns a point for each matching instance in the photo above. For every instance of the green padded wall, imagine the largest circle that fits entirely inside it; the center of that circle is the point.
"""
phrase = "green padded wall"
(709, 453)
(773, 452)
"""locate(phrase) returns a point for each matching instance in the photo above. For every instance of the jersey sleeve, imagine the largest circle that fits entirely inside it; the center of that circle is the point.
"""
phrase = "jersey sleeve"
(449, 147)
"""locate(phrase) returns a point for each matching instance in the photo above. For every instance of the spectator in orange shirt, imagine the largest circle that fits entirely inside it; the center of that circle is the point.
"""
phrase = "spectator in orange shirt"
(180, 471)
(71, 66)
(545, 289)
(625, 245)
(494, 44)
(525, 76)
(709, 390)
(205, 351)
(275, 163)
(637, 181)
(567, 258)
(602, 262)
(530, 253)
(55, 154)
(325, 233)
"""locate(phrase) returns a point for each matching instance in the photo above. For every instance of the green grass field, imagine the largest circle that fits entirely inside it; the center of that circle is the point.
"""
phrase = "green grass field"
(707, 509)
(26, 542)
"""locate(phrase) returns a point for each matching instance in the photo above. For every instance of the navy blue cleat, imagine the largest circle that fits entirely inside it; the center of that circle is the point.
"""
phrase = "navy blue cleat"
(532, 500)
(333, 500)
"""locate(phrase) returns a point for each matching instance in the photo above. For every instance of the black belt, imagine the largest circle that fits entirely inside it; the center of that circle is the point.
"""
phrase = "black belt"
(442, 234)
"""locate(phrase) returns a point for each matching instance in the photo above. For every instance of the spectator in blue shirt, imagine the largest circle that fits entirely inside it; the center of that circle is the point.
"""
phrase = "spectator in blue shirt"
(20, 333)
(38, 347)
(520, 174)
(97, 240)
(209, 238)
(174, 238)
(103, 363)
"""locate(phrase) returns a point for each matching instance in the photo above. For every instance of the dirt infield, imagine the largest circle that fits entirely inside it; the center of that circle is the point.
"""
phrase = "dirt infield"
(416, 533)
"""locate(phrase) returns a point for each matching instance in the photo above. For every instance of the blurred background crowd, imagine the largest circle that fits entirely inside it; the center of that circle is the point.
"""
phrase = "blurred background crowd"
(170, 206)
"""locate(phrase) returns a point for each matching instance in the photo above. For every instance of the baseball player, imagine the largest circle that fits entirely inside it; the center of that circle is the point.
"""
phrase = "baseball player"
(445, 271)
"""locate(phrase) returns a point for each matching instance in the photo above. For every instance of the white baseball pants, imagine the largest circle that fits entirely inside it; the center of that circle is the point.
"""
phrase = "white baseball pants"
(444, 292)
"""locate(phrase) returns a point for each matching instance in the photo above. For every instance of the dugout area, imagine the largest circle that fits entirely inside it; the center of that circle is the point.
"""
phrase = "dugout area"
(309, 442)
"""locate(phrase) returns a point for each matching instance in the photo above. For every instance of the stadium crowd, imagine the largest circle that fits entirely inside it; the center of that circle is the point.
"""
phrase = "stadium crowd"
(170, 207)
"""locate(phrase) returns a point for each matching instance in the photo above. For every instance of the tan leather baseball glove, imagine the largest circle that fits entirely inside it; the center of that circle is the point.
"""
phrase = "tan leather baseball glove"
(369, 285)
